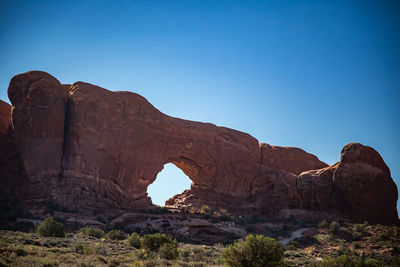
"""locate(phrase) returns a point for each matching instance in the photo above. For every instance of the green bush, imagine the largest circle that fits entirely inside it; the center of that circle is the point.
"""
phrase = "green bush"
(219, 260)
(153, 242)
(82, 249)
(134, 240)
(145, 255)
(91, 231)
(334, 227)
(323, 224)
(116, 235)
(254, 250)
(169, 251)
(50, 227)
(357, 235)
(205, 210)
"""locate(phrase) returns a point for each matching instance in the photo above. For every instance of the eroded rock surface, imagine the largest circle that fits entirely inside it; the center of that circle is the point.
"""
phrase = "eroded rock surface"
(365, 182)
(290, 159)
(39, 103)
(90, 149)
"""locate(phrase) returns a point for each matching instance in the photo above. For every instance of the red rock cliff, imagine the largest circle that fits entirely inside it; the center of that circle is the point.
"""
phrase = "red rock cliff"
(88, 148)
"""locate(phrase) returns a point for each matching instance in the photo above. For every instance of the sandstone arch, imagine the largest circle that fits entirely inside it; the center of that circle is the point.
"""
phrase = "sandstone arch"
(92, 149)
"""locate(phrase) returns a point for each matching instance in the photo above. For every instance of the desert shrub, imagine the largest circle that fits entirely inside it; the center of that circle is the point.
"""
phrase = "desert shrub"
(219, 261)
(344, 250)
(134, 240)
(116, 235)
(169, 251)
(184, 253)
(92, 231)
(225, 215)
(323, 224)
(359, 228)
(334, 227)
(101, 250)
(344, 233)
(205, 210)
(145, 255)
(82, 248)
(50, 227)
(153, 242)
(254, 250)
(198, 254)
(357, 235)
(349, 261)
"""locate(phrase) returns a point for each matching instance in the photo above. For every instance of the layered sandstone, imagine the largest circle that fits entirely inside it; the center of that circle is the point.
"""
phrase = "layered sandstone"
(88, 148)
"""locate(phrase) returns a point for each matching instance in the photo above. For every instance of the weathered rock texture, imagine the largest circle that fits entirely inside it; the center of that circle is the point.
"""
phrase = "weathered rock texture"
(290, 159)
(88, 148)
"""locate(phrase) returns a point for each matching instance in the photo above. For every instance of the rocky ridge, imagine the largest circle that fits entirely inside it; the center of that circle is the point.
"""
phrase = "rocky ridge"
(93, 150)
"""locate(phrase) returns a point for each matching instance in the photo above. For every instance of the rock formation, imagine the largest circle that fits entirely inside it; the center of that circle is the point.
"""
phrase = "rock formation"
(90, 149)
(5, 120)
(290, 159)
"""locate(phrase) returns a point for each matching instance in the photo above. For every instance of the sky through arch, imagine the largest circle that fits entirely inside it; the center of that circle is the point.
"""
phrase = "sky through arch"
(170, 181)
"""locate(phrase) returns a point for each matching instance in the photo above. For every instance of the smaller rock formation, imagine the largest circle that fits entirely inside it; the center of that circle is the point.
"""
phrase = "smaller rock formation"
(365, 182)
(358, 187)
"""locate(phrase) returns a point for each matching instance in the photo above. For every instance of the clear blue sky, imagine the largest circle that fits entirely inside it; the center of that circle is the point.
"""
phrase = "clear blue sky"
(312, 74)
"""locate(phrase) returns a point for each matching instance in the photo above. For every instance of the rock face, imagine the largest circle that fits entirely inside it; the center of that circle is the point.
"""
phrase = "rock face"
(290, 159)
(5, 120)
(364, 180)
(39, 103)
(91, 149)
(10, 162)
(119, 153)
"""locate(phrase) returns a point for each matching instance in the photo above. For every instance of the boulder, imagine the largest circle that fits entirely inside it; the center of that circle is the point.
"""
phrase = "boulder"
(364, 180)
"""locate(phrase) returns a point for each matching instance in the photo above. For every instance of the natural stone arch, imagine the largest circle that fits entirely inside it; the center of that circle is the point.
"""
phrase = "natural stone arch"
(120, 153)
(88, 148)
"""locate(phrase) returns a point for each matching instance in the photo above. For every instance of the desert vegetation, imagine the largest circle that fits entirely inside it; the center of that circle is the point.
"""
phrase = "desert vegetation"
(327, 243)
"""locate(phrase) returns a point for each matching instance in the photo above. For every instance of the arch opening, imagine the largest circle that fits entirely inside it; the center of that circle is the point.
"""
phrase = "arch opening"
(169, 182)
